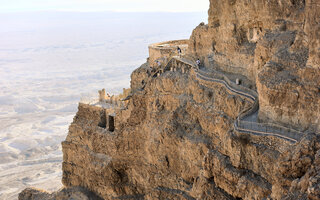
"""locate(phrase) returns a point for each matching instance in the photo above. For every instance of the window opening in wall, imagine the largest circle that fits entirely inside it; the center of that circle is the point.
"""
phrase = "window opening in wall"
(103, 122)
(111, 123)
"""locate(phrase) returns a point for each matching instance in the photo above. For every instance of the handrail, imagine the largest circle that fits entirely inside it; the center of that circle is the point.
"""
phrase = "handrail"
(165, 65)
(228, 86)
(171, 58)
(241, 125)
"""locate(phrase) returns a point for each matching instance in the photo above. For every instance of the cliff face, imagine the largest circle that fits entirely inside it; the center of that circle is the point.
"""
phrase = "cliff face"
(158, 148)
(273, 43)
(190, 133)
(175, 140)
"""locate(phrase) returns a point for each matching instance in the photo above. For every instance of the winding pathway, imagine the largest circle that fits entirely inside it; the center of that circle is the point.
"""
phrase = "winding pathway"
(246, 121)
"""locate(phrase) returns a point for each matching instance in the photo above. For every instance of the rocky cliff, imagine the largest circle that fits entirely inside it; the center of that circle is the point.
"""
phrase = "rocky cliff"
(241, 125)
(274, 43)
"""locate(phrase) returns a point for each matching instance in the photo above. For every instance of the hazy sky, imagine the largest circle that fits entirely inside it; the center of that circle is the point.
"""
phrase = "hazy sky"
(104, 5)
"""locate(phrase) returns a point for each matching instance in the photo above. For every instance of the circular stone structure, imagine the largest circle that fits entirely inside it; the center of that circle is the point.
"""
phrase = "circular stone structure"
(163, 50)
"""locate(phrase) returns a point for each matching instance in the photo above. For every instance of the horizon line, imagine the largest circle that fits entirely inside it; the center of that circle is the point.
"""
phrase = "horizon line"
(100, 11)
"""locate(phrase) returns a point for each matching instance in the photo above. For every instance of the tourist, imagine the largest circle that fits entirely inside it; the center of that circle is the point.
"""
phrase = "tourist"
(179, 51)
(158, 63)
(198, 62)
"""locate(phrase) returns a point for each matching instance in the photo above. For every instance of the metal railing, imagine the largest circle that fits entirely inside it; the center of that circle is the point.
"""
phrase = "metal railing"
(240, 125)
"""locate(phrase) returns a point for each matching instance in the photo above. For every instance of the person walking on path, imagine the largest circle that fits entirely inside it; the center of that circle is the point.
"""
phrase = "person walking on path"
(198, 62)
(158, 63)
(179, 51)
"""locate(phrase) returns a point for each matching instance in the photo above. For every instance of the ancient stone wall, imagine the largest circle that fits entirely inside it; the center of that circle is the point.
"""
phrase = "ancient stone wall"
(162, 51)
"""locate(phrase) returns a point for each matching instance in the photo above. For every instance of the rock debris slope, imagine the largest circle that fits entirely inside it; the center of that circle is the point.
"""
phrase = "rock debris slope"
(243, 124)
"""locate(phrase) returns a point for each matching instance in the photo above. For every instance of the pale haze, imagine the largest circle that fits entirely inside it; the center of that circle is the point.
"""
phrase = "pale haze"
(105, 5)
(51, 58)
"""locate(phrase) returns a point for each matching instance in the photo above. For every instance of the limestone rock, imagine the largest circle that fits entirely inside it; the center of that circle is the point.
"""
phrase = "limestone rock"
(73, 193)
(273, 43)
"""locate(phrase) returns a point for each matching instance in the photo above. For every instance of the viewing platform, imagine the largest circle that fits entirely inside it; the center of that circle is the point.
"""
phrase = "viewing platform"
(164, 50)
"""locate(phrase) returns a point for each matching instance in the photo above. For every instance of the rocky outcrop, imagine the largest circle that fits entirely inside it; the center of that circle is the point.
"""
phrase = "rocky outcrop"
(273, 43)
(74, 193)
(157, 147)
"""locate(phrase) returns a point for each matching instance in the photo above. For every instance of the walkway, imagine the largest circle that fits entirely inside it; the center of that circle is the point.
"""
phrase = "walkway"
(246, 121)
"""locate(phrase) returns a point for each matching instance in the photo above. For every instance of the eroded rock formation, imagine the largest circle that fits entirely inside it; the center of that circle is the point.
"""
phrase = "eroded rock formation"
(74, 193)
(274, 43)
